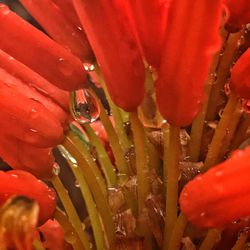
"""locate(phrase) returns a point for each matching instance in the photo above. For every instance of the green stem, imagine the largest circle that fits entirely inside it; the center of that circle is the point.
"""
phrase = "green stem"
(240, 243)
(178, 231)
(221, 131)
(119, 126)
(171, 164)
(142, 167)
(71, 212)
(103, 158)
(114, 143)
(212, 237)
(223, 72)
(70, 234)
(74, 146)
(87, 196)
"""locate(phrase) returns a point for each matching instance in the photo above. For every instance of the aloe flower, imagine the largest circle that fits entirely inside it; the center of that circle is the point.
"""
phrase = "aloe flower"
(17, 182)
(221, 195)
(180, 62)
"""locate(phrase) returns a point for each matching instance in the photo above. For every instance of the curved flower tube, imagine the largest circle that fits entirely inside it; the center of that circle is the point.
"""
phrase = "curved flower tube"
(240, 76)
(149, 18)
(18, 182)
(36, 125)
(221, 195)
(20, 155)
(53, 236)
(34, 80)
(55, 63)
(53, 20)
(185, 62)
(115, 49)
(239, 14)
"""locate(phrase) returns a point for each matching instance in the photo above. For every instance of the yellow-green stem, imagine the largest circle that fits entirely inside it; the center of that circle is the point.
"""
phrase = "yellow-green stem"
(71, 212)
(241, 133)
(74, 146)
(212, 237)
(240, 243)
(87, 196)
(223, 72)
(235, 119)
(221, 131)
(171, 164)
(119, 126)
(103, 158)
(177, 234)
(142, 167)
(70, 234)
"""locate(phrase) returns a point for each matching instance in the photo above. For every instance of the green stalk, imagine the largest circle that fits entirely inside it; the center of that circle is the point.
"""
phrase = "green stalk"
(70, 234)
(87, 196)
(223, 72)
(142, 172)
(74, 146)
(177, 234)
(119, 126)
(71, 212)
(89, 159)
(212, 237)
(103, 158)
(114, 143)
(171, 166)
(240, 243)
(221, 131)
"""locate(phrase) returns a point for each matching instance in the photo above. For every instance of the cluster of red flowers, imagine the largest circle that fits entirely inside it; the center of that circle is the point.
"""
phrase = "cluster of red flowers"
(176, 39)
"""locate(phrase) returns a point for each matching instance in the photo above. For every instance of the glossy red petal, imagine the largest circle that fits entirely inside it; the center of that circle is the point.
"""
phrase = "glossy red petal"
(240, 76)
(20, 155)
(149, 18)
(239, 14)
(27, 119)
(221, 195)
(53, 20)
(115, 49)
(18, 182)
(30, 93)
(53, 235)
(34, 80)
(191, 38)
(36, 50)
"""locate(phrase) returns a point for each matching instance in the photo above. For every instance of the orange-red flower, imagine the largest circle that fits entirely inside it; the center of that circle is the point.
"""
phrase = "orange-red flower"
(221, 195)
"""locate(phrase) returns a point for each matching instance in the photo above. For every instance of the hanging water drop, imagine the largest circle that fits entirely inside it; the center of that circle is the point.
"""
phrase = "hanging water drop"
(84, 106)
(56, 169)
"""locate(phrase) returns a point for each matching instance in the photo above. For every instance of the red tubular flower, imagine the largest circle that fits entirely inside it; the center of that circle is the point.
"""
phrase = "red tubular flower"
(34, 80)
(53, 20)
(17, 182)
(240, 76)
(185, 60)
(20, 155)
(149, 17)
(69, 11)
(55, 63)
(221, 195)
(27, 119)
(115, 50)
(53, 235)
(239, 14)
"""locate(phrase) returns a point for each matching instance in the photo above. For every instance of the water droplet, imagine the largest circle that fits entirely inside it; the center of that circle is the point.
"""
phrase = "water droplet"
(89, 67)
(77, 185)
(202, 214)
(4, 9)
(56, 169)
(84, 106)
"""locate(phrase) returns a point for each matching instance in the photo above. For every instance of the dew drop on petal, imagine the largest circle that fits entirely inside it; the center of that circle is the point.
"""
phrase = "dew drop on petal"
(84, 106)
(56, 169)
